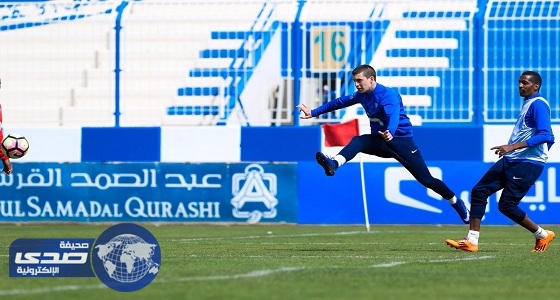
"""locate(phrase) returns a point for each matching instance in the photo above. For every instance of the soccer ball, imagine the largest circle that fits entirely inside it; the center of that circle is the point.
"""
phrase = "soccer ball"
(15, 145)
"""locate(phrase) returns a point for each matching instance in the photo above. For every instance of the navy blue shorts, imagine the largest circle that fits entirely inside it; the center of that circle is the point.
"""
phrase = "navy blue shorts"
(515, 178)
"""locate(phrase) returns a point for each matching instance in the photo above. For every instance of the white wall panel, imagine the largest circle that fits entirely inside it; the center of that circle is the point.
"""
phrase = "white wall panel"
(201, 144)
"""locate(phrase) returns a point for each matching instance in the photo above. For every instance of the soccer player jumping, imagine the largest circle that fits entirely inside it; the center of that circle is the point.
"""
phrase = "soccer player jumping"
(391, 133)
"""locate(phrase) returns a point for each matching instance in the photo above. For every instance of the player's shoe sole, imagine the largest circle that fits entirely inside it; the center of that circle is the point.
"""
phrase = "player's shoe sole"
(463, 244)
(542, 244)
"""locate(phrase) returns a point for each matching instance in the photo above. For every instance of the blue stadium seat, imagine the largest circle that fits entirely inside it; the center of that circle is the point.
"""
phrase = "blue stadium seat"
(237, 74)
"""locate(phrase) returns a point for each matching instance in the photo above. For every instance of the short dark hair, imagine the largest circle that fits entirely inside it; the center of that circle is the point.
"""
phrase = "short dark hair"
(366, 70)
(535, 77)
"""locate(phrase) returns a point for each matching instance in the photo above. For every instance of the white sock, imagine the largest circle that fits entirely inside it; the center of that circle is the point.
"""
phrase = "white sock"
(540, 234)
(452, 200)
(340, 159)
(472, 236)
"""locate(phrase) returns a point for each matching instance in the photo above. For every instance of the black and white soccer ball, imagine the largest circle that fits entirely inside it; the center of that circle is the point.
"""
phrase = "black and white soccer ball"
(15, 145)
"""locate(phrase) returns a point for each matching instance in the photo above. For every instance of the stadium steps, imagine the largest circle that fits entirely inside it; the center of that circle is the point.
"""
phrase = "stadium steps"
(242, 49)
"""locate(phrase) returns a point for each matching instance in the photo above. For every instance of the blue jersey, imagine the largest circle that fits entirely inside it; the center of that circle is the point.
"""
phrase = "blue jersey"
(383, 106)
(533, 127)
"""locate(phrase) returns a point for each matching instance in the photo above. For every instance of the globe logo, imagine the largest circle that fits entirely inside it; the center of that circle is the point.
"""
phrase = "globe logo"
(127, 258)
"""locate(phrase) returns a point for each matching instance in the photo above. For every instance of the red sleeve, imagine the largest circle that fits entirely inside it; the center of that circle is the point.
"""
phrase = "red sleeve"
(2, 155)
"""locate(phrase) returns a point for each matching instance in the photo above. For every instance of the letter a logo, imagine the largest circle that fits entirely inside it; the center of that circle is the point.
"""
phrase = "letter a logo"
(254, 186)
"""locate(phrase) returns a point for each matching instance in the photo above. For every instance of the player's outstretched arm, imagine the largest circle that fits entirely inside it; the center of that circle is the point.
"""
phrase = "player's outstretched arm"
(305, 110)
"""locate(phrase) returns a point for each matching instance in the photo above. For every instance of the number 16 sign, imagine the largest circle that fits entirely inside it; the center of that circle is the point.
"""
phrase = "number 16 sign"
(329, 49)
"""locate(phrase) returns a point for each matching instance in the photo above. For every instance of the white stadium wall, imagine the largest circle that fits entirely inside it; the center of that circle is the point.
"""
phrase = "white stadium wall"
(201, 144)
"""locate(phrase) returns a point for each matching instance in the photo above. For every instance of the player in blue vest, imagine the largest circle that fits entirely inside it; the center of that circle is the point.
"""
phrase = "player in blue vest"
(391, 133)
(520, 165)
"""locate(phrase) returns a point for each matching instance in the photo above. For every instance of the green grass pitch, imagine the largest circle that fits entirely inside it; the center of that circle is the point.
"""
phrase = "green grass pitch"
(312, 262)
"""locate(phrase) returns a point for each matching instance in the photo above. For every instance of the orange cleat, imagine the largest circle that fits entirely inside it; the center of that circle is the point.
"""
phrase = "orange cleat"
(462, 244)
(542, 244)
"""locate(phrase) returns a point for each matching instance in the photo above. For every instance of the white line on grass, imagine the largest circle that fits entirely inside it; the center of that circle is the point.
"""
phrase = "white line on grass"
(64, 288)
(310, 243)
(397, 263)
(291, 256)
(267, 236)
(258, 273)
(389, 264)
(460, 259)
(252, 274)
(60, 288)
